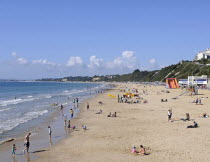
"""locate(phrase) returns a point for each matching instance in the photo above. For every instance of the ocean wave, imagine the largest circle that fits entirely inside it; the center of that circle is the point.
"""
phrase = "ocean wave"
(48, 96)
(15, 101)
(10, 124)
(29, 96)
(5, 109)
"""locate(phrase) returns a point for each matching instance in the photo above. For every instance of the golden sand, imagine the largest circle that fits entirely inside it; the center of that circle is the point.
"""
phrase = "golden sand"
(111, 139)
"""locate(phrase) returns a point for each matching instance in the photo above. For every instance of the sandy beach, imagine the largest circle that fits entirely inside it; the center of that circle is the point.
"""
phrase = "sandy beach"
(111, 138)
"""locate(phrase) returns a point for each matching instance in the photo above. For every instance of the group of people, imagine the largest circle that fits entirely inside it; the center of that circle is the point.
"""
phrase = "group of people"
(162, 100)
(142, 150)
(67, 124)
(112, 115)
(125, 99)
(195, 124)
(26, 144)
(197, 101)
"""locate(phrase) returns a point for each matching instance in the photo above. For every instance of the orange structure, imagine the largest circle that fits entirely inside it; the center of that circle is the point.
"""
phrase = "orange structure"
(172, 83)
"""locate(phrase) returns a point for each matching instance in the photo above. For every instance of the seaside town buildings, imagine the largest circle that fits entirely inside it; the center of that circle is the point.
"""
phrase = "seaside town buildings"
(203, 54)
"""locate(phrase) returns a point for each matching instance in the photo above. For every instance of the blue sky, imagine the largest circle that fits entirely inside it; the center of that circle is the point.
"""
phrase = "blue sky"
(56, 38)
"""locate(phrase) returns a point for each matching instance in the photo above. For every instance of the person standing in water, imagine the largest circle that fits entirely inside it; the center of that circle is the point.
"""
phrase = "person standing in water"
(72, 113)
(62, 109)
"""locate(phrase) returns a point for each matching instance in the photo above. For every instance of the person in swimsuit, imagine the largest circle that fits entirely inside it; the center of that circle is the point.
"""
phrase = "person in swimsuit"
(27, 143)
(13, 149)
(142, 150)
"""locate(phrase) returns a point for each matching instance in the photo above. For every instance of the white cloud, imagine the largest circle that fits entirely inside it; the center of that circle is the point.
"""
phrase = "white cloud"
(44, 62)
(19, 60)
(152, 61)
(14, 54)
(127, 54)
(74, 61)
(95, 62)
(118, 61)
(126, 61)
(22, 60)
(153, 65)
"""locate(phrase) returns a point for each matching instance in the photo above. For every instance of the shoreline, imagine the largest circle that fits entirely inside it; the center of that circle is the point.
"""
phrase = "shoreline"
(55, 119)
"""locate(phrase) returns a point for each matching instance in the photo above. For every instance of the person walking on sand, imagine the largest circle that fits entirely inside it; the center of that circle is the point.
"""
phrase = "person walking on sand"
(88, 106)
(13, 149)
(72, 113)
(27, 143)
(169, 115)
(50, 133)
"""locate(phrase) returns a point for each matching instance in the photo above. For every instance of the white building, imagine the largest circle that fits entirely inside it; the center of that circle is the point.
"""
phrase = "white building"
(203, 55)
(194, 80)
(197, 80)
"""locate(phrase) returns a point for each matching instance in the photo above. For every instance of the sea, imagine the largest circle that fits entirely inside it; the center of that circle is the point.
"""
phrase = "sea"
(26, 105)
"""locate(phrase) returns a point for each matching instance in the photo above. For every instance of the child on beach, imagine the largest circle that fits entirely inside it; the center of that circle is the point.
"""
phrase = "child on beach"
(133, 150)
(65, 123)
(69, 124)
(13, 149)
(84, 127)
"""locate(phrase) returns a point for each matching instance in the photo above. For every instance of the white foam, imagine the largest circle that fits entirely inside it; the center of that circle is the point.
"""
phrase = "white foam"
(5, 109)
(15, 101)
(48, 97)
(12, 123)
(10, 102)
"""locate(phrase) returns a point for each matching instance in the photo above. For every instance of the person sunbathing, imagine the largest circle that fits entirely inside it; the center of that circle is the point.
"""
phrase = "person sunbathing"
(142, 150)
(193, 126)
(194, 101)
(114, 115)
(84, 127)
(100, 112)
(204, 115)
(100, 102)
(109, 115)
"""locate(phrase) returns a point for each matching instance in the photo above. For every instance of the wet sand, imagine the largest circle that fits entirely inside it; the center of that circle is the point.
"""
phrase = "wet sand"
(111, 139)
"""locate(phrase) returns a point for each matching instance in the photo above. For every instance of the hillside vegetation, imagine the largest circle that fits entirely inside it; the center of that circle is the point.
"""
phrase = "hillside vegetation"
(179, 71)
